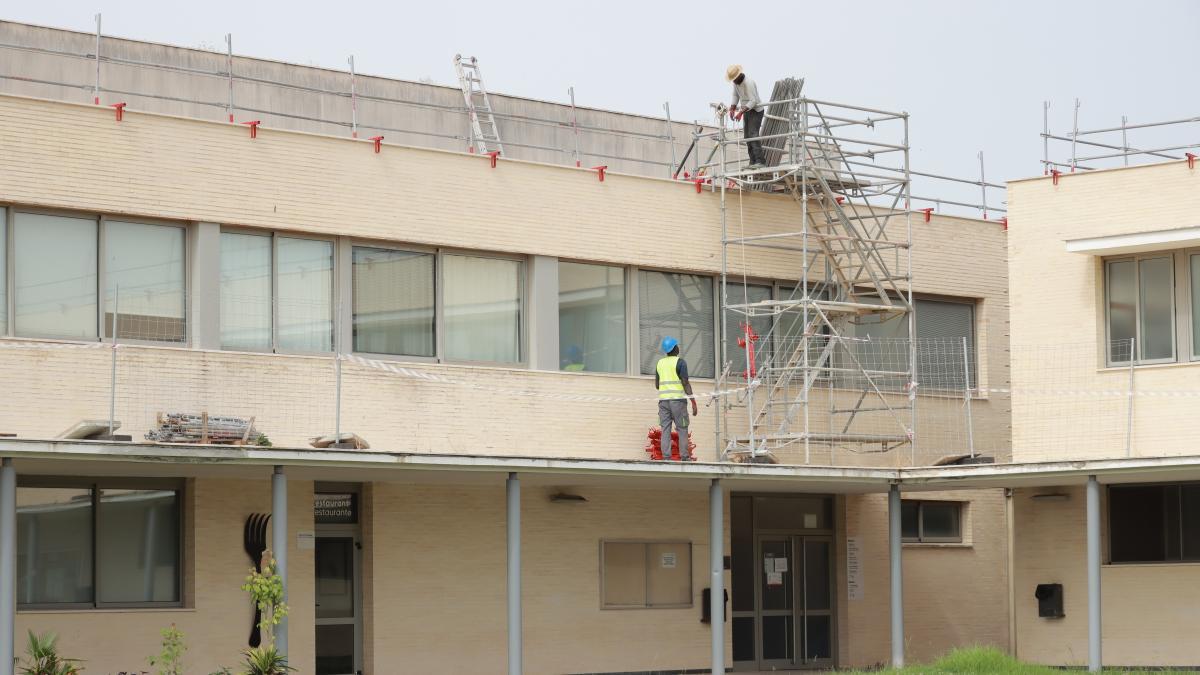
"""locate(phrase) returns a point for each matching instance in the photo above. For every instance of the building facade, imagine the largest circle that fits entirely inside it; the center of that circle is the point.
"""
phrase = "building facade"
(1103, 276)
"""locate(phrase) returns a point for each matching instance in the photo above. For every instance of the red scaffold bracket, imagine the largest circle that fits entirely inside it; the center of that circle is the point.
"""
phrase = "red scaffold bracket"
(494, 155)
(1054, 174)
(378, 141)
(600, 171)
(1191, 158)
(746, 341)
(699, 185)
(120, 108)
(928, 213)
(253, 124)
(1004, 222)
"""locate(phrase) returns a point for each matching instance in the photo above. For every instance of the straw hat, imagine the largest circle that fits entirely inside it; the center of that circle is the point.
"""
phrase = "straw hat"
(732, 72)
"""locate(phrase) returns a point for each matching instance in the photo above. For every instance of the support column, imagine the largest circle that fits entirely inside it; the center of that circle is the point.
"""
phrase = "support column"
(1093, 573)
(716, 560)
(8, 559)
(894, 549)
(279, 546)
(513, 489)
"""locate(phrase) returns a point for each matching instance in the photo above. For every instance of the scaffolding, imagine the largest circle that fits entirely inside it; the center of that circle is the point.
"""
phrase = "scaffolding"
(824, 379)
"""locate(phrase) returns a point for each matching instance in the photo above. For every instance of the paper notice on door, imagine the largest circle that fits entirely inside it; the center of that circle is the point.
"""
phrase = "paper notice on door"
(854, 580)
(768, 564)
(668, 561)
(810, 521)
(305, 540)
(775, 579)
(781, 565)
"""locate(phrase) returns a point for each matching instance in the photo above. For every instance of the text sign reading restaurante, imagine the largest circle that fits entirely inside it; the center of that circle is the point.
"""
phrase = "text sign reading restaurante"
(335, 508)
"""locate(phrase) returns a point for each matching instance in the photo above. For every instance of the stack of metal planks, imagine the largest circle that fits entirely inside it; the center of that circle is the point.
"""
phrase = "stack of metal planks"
(177, 427)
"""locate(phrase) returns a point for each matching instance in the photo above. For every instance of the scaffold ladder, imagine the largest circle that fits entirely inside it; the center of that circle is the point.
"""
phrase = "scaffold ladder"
(485, 135)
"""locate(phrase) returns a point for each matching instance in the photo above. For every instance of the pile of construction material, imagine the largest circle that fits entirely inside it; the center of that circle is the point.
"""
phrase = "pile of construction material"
(203, 428)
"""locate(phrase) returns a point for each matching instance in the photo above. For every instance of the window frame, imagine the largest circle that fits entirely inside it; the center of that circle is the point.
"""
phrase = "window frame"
(647, 543)
(101, 220)
(636, 326)
(335, 289)
(437, 291)
(631, 346)
(439, 309)
(96, 485)
(1108, 529)
(1177, 325)
(960, 508)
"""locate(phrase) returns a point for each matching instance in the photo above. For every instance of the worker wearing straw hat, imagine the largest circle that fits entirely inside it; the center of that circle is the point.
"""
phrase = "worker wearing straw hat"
(749, 107)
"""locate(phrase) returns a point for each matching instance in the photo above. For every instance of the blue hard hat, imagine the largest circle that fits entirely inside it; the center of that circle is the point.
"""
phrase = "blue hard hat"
(668, 344)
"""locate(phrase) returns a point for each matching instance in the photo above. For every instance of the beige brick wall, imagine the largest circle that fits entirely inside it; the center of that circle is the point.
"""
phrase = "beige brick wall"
(1149, 611)
(954, 594)
(440, 606)
(1057, 315)
(217, 617)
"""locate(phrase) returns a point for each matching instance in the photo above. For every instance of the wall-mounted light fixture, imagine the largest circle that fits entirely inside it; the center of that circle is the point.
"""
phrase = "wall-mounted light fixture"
(1052, 497)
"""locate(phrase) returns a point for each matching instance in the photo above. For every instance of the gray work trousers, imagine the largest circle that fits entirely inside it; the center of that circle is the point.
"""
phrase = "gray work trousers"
(751, 128)
(674, 412)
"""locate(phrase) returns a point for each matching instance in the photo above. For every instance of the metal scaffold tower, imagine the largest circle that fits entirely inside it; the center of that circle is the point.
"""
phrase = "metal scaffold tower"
(830, 358)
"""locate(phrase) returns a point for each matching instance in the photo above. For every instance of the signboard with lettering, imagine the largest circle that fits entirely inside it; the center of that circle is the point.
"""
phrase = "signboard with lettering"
(854, 575)
(335, 508)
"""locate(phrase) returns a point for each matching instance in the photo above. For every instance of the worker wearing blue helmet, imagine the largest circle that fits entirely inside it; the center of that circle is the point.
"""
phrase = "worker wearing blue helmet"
(674, 390)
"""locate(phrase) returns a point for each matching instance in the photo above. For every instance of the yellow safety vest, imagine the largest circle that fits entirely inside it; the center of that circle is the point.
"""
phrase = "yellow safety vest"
(669, 385)
(574, 367)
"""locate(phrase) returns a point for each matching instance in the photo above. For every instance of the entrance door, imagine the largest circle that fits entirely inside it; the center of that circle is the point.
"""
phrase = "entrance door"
(337, 606)
(338, 581)
(794, 621)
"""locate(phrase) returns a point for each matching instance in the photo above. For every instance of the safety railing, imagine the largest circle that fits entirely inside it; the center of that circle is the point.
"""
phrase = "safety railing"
(1110, 147)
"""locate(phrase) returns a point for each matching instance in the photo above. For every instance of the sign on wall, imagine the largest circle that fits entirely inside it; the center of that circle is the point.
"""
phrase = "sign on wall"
(335, 508)
(854, 580)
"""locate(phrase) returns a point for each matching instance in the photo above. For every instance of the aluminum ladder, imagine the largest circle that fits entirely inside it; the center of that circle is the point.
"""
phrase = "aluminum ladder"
(485, 135)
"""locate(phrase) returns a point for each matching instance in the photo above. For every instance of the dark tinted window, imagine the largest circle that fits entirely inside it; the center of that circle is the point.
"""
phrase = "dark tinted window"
(1154, 523)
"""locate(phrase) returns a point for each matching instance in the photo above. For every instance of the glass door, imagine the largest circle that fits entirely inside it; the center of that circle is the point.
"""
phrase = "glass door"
(337, 611)
(795, 622)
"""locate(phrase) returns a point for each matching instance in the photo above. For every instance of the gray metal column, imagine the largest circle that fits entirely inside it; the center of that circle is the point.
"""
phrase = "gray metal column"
(894, 548)
(513, 489)
(716, 561)
(1093, 573)
(8, 559)
(279, 545)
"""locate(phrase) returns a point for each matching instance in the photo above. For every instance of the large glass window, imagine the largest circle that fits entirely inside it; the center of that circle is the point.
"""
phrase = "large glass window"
(144, 281)
(245, 291)
(3, 271)
(93, 545)
(1140, 299)
(591, 318)
(393, 302)
(304, 288)
(1154, 523)
(55, 259)
(276, 293)
(482, 303)
(942, 325)
(679, 305)
(1194, 270)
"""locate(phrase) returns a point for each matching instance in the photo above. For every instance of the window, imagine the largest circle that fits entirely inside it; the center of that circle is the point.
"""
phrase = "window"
(1194, 272)
(3, 271)
(591, 318)
(643, 575)
(679, 305)
(1154, 523)
(94, 545)
(393, 302)
(741, 294)
(930, 521)
(941, 327)
(1140, 304)
(276, 293)
(55, 276)
(482, 304)
(144, 281)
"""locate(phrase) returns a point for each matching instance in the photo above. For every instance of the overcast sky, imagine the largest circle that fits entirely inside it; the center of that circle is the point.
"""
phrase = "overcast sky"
(972, 75)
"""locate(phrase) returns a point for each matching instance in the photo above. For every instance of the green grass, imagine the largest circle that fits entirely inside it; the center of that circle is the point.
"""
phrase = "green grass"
(973, 660)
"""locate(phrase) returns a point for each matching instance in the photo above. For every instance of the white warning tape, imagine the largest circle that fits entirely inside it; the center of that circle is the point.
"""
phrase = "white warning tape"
(17, 344)
(391, 367)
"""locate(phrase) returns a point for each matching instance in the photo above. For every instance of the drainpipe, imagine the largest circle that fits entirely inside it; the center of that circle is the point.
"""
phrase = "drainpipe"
(279, 547)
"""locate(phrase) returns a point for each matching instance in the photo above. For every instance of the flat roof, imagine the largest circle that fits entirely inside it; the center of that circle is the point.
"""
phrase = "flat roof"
(34, 456)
